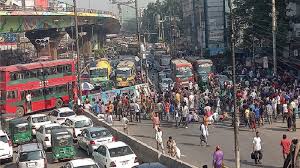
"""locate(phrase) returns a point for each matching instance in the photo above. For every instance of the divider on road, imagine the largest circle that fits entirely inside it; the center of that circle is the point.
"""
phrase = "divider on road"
(144, 152)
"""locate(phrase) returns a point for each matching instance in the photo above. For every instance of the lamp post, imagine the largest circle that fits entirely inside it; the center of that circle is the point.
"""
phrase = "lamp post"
(77, 52)
(236, 119)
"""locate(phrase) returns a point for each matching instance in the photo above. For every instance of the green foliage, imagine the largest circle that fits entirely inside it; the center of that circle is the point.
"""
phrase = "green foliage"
(253, 21)
(165, 9)
(129, 25)
(100, 53)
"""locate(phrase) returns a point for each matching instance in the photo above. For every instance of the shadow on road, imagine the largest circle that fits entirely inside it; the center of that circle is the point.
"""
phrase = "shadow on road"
(143, 136)
(252, 164)
(189, 144)
(191, 135)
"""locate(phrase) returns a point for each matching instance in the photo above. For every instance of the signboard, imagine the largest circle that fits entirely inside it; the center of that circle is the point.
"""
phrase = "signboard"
(107, 96)
(8, 41)
(41, 3)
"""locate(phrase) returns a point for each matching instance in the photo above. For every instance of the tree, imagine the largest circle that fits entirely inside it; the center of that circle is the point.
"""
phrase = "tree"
(253, 21)
(165, 9)
(130, 25)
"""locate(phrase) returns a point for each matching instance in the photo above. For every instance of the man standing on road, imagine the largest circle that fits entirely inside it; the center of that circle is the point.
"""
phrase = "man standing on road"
(285, 143)
(257, 148)
(137, 111)
(269, 109)
(159, 140)
(203, 134)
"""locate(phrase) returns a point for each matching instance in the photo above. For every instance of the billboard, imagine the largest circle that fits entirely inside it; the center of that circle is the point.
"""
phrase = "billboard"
(8, 41)
(41, 3)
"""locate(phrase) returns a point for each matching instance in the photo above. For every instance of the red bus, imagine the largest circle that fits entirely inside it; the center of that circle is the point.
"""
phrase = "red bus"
(47, 84)
(182, 72)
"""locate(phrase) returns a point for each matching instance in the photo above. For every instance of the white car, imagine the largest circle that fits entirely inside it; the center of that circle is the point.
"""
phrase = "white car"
(6, 148)
(76, 124)
(61, 114)
(43, 134)
(81, 163)
(115, 154)
(37, 120)
(91, 138)
(31, 155)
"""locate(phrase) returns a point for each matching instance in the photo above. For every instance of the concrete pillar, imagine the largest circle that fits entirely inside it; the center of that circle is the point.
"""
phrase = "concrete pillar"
(45, 42)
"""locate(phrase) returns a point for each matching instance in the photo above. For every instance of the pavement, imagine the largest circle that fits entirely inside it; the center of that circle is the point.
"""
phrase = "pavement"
(188, 141)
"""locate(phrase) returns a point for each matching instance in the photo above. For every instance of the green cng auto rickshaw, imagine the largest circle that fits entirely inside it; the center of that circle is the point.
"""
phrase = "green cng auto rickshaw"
(62, 144)
(20, 131)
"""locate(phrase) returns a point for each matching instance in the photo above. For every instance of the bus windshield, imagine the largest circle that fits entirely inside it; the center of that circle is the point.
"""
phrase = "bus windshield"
(204, 68)
(98, 73)
(123, 73)
(184, 72)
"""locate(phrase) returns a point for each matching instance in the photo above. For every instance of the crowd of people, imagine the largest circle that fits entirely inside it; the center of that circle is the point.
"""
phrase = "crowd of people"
(261, 98)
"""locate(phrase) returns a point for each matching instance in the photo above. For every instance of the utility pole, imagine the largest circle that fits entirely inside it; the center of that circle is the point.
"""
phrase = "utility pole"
(77, 52)
(138, 32)
(274, 27)
(236, 119)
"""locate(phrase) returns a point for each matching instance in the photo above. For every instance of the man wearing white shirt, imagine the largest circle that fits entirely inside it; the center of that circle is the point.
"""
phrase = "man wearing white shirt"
(159, 140)
(257, 148)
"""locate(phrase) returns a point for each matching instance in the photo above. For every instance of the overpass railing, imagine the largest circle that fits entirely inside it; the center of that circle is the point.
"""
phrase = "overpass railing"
(54, 9)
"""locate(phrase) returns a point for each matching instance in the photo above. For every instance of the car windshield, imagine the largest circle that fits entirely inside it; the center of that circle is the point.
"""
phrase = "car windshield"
(184, 72)
(100, 134)
(167, 81)
(63, 140)
(87, 166)
(165, 61)
(83, 123)
(40, 119)
(29, 156)
(123, 73)
(67, 114)
(95, 73)
(120, 151)
(3, 138)
(204, 68)
(22, 128)
(49, 129)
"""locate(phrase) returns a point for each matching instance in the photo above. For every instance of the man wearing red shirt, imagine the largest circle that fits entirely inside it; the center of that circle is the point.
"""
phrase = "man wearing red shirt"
(285, 144)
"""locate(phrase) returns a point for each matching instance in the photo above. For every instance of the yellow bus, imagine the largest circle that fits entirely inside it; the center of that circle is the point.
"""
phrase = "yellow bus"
(125, 74)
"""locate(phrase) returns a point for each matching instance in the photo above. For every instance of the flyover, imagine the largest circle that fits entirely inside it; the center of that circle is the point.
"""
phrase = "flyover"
(52, 23)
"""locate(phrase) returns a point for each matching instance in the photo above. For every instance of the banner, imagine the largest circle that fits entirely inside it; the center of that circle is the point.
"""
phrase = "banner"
(107, 96)
(265, 62)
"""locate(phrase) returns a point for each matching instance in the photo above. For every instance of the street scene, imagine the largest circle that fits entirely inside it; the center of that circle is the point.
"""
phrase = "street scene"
(149, 84)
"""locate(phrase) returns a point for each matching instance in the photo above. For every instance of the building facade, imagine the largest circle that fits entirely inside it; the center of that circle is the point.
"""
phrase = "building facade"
(205, 25)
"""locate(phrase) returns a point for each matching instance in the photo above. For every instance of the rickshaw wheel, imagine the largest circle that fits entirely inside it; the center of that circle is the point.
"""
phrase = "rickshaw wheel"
(20, 112)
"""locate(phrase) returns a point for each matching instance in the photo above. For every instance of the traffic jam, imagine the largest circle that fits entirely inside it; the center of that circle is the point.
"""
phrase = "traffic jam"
(28, 135)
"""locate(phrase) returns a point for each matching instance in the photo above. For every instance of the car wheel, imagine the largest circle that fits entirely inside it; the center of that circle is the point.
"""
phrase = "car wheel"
(20, 112)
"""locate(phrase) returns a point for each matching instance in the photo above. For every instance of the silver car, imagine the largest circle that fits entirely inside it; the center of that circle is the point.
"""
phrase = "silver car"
(31, 155)
(91, 138)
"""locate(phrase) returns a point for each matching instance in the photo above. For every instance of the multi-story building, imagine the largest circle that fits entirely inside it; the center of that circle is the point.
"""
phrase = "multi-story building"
(293, 12)
(204, 25)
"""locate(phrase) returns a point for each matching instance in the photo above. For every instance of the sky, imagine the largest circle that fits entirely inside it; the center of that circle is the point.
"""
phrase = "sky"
(105, 4)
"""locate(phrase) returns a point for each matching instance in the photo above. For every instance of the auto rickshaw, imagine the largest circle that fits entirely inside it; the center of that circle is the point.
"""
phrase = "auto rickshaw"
(62, 144)
(20, 131)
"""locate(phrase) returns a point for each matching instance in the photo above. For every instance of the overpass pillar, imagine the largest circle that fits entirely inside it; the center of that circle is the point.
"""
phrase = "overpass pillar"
(45, 42)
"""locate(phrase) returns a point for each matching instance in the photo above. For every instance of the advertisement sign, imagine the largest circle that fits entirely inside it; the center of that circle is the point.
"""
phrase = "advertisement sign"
(8, 41)
(107, 96)
(41, 3)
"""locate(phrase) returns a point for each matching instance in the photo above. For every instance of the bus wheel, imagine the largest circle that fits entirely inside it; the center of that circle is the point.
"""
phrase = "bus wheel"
(59, 103)
(20, 112)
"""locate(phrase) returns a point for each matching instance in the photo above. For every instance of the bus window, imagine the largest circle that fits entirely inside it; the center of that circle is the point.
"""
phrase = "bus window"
(48, 91)
(2, 95)
(11, 95)
(37, 93)
(54, 70)
(13, 76)
(60, 69)
(2, 76)
(68, 68)
(23, 95)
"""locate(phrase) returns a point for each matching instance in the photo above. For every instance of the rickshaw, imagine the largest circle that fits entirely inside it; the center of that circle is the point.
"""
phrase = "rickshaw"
(62, 144)
(20, 131)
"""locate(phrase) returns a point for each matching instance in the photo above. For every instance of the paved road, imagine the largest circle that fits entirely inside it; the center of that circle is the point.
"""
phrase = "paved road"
(221, 134)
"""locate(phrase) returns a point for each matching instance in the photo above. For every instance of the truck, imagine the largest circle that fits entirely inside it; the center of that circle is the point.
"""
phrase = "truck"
(100, 74)
(182, 73)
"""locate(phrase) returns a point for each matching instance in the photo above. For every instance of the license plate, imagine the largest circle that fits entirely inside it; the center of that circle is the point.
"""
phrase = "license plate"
(125, 162)
(31, 164)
